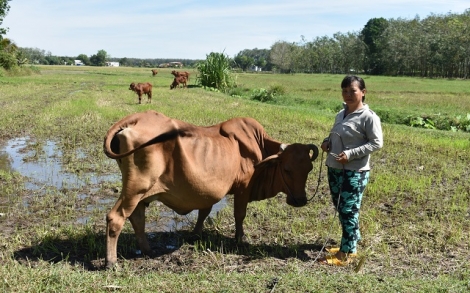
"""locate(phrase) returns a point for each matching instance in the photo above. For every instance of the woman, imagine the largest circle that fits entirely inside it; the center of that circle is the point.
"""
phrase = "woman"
(356, 134)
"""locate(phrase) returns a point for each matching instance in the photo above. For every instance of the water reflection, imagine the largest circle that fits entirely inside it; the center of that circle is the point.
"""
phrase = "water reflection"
(46, 169)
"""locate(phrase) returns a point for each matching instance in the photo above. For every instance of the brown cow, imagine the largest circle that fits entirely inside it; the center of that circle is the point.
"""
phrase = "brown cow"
(181, 73)
(142, 89)
(177, 81)
(154, 72)
(188, 167)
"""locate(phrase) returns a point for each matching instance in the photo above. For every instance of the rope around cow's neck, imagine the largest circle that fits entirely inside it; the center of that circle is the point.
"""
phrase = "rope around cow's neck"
(319, 178)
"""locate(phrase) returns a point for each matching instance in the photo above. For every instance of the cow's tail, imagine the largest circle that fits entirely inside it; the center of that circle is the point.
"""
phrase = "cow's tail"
(111, 141)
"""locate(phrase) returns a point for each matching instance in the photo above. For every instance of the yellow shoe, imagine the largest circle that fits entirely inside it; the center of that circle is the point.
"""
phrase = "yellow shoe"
(334, 250)
(333, 260)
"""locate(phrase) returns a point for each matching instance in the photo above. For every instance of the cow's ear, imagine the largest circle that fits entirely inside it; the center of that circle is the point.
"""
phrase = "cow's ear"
(268, 162)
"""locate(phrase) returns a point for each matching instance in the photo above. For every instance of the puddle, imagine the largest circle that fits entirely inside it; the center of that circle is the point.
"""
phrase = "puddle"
(46, 170)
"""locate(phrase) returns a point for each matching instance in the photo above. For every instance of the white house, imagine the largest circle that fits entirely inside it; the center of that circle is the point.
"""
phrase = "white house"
(113, 64)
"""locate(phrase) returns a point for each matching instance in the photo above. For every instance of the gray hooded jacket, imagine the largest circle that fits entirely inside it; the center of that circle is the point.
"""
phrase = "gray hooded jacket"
(357, 135)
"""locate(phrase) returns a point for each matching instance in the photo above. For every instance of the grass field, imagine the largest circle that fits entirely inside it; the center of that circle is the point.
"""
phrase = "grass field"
(415, 219)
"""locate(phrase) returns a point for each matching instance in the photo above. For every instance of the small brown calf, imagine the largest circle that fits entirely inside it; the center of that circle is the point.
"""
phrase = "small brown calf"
(181, 73)
(142, 89)
(154, 72)
(177, 81)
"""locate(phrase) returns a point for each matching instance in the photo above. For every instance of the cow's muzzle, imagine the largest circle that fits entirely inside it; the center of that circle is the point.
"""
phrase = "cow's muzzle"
(296, 201)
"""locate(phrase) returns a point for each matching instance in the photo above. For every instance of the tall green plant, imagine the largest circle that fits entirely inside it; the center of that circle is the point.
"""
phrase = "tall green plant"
(215, 72)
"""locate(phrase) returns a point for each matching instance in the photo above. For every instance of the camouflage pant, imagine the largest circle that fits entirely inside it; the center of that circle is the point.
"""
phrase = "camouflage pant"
(351, 184)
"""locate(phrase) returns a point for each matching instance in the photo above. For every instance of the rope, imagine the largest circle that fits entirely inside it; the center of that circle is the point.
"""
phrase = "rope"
(337, 204)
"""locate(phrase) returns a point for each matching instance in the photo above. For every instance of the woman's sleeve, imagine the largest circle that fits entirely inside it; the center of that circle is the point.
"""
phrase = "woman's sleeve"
(374, 136)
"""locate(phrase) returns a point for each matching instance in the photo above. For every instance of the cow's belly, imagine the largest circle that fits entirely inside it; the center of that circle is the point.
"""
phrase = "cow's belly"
(185, 204)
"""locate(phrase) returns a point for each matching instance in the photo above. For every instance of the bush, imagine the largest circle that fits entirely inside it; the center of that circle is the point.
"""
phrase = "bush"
(265, 95)
(215, 72)
(441, 122)
(7, 60)
(461, 123)
(262, 95)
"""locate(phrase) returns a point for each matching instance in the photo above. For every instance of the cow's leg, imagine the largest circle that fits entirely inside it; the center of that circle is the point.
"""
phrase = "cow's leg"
(201, 216)
(240, 205)
(114, 222)
(140, 98)
(149, 96)
(137, 219)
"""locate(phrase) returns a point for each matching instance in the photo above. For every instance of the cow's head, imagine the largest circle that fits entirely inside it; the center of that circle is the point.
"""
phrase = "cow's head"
(132, 86)
(288, 170)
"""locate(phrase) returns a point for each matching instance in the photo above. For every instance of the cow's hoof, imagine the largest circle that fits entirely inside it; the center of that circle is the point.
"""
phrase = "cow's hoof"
(242, 241)
(111, 265)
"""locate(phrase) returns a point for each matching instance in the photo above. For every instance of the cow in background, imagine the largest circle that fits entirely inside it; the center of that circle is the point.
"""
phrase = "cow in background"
(154, 72)
(142, 89)
(181, 73)
(177, 81)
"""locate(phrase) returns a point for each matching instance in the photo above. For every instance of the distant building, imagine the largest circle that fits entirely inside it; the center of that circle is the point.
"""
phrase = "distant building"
(78, 62)
(112, 64)
(176, 64)
(171, 64)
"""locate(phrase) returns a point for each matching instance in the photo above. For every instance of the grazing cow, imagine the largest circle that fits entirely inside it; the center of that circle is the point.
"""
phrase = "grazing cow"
(154, 72)
(181, 73)
(188, 167)
(177, 81)
(142, 89)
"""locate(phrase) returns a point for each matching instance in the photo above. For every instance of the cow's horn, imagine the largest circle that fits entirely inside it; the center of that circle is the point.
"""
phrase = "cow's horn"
(314, 148)
(282, 147)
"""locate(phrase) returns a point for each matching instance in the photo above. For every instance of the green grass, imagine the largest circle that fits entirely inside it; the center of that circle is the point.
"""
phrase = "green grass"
(415, 217)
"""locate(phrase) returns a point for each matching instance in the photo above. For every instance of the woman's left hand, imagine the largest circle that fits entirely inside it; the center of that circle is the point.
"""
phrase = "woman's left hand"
(342, 158)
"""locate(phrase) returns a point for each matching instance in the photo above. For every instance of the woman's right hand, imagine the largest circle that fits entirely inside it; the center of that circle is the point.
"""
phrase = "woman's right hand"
(325, 146)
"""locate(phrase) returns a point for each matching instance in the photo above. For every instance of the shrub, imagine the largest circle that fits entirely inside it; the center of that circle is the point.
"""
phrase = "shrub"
(461, 123)
(441, 122)
(262, 95)
(215, 72)
(7, 60)
(422, 122)
(265, 95)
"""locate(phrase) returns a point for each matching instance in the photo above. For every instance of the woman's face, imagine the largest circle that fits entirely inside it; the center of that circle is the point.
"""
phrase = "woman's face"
(352, 95)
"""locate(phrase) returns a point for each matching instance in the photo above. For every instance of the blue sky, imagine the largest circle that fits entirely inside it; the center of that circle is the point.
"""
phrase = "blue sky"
(182, 29)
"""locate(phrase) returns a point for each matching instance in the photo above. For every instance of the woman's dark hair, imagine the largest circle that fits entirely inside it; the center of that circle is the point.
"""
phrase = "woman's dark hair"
(349, 79)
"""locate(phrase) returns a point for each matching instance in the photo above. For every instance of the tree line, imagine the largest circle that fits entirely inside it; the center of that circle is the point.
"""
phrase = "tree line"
(436, 46)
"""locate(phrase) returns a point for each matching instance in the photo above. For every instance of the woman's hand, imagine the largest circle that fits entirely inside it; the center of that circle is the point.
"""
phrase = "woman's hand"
(325, 146)
(342, 158)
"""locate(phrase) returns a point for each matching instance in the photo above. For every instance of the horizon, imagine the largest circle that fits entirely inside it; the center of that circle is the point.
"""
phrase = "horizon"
(191, 30)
